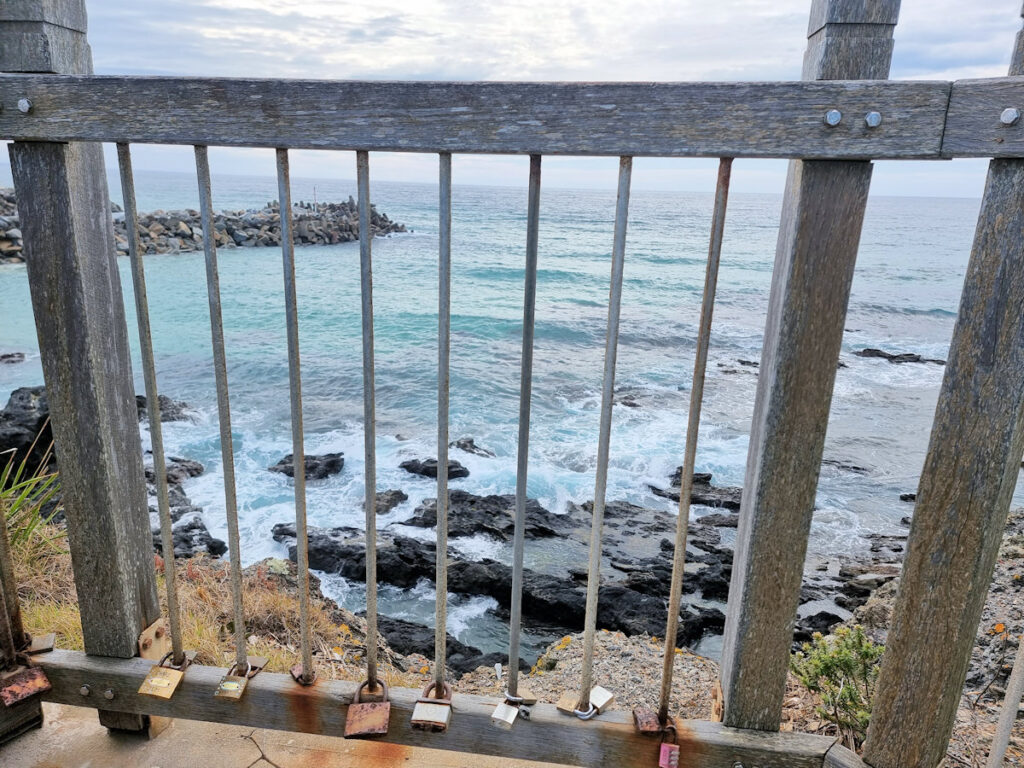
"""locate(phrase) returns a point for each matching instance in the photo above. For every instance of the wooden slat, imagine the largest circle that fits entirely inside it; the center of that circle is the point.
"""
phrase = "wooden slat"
(822, 213)
(83, 345)
(664, 119)
(969, 475)
(276, 701)
(973, 127)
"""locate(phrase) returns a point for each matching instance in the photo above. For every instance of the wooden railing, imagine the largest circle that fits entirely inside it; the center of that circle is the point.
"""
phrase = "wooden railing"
(842, 115)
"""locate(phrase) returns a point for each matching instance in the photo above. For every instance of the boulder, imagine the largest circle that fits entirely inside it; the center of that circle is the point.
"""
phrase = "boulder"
(317, 467)
(24, 419)
(191, 537)
(466, 444)
(10, 358)
(469, 514)
(702, 492)
(170, 410)
(901, 357)
(388, 500)
(428, 468)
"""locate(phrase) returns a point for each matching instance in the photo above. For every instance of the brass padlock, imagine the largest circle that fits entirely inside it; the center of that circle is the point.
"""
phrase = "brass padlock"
(163, 679)
(368, 718)
(433, 714)
(505, 715)
(232, 685)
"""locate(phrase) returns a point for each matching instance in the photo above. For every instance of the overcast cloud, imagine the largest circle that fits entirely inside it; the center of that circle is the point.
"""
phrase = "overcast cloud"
(534, 40)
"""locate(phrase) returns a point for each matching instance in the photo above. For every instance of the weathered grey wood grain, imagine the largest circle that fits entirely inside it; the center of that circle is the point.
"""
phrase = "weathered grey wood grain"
(973, 128)
(669, 119)
(60, 13)
(841, 757)
(851, 12)
(83, 344)
(971, 469)
(822, 213)
(276, 701)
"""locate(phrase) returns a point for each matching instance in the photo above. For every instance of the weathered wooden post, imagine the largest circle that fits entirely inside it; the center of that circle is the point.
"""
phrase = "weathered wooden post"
(83, 343)
(969, 475)
(819, 233)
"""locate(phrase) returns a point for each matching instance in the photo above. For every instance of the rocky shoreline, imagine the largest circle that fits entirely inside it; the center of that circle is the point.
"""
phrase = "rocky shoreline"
(181, 231)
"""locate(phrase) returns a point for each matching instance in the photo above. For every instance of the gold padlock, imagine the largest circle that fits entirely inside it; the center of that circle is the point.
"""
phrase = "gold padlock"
(163, 679)
(368, 718)
(433, 714)
(232, 686)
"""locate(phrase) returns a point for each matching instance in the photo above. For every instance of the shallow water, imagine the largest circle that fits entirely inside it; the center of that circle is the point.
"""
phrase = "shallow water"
(905, 295)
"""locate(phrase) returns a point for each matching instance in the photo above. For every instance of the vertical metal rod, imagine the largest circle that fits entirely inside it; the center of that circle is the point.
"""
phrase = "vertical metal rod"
(692, 429)
(369, 413)
(1008, 715)
(444, 329)
(604, 437)
(220, 370)
(525, 393)
(284, 196)
(131, 219)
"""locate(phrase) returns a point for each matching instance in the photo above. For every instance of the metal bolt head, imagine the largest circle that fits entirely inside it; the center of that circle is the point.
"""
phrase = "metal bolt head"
(147, 644)
(84, 690)
(1009, 116)
(832, 117)
(24, 106)
(108, 694)
(873, 119)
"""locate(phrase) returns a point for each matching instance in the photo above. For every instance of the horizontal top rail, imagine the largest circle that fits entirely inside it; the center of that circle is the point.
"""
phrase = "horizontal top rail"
(766, 120)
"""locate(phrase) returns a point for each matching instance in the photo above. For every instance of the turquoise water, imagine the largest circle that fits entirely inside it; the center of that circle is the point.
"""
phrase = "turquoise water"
(905, 296)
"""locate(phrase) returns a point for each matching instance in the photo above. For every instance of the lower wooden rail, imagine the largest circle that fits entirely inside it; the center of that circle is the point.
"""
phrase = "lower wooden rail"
(275, 701)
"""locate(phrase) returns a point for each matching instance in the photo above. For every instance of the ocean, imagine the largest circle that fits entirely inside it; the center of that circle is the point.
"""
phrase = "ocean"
(906, 290)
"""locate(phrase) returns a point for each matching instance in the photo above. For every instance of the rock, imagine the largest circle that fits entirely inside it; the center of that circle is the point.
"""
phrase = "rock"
(848, 466)
(822, 621)
(720, 520)
(466, 444)
(10, 358)
(469, 514)
(406, 637)
(388, 500)
(703, 492)
(178, 470)
(191, 537)
(24, 419)
(428, 468)
(903, 357)
(908, 497)
(317, 467)
(170, 410)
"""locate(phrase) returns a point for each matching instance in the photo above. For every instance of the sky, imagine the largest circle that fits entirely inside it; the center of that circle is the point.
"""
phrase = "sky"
(533, 40)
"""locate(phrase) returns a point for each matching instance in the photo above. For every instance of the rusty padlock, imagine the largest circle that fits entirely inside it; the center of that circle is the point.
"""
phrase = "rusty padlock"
(368, 718)
(668, 757)
(22, 683)
(646, 721)
(433, 714)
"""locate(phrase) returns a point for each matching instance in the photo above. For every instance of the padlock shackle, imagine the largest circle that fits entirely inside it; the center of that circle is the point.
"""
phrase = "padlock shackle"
(445, 692)
(359, 690)
(669, 726)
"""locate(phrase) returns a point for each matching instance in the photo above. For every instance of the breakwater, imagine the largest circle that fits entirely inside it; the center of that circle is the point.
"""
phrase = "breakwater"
(181, 230)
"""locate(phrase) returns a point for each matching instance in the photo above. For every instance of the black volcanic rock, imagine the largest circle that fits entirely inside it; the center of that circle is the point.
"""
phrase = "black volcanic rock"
(317, 467)
(428, 468)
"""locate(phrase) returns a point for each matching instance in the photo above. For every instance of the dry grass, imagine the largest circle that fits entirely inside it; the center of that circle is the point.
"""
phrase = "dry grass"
(270, 599)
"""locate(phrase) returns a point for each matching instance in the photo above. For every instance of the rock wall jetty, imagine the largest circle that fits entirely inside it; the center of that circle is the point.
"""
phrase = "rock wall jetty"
(181, 231)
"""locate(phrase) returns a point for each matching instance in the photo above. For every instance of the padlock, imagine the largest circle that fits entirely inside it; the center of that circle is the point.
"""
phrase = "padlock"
(164, 678)
(524, 697)
(22, 683)
(601, 698)
(567, 703)
(368, 718)
(524, 712)
(232, 685)
(668, 757)
(505, 715)
(646, 721)
(432, 714)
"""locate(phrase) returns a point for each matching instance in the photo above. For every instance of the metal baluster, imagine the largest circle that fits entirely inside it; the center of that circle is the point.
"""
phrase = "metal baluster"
(284, 195)
(692, 429)
(1008, 715)
(584, 707)
(220, 369)
(131, 219)
(525, 392)
(444, 327)
(369, 413)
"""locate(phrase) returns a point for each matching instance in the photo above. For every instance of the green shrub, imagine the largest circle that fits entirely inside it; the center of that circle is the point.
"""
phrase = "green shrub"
(843, 670)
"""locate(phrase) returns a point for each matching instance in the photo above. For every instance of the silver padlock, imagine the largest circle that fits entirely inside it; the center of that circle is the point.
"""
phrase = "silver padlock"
(505, 715)
(601, 698)
(433, 714)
